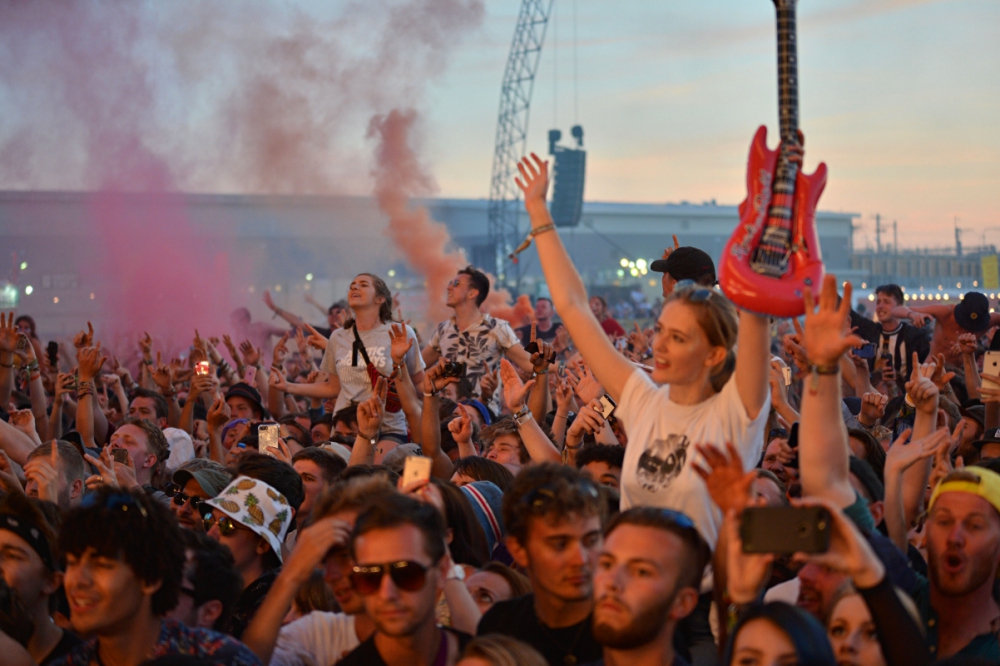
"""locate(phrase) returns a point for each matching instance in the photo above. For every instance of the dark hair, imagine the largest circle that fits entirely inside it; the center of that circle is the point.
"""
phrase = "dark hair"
(874, 453)
(892, 291)
(484, 469)
(863, 471)
(397, 510)
(15, 620)
(365, 471)
(156, 440)
(328, 461)
(519, 583)
(346, 415)
(613, 455)
(352, 495)
(304, 436)
(773, 478)
(32, 333)
(806, 634)
(479, 282)
(42, 517)
(162, 409)
(130, 527)
(549, 489)
(468, 541)
(279, 475)
(696, 550)
(325, 419)
(213, 575)
(314, 595)
(381, 289)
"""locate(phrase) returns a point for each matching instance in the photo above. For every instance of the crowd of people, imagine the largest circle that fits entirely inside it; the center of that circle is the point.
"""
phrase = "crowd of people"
(723, 488)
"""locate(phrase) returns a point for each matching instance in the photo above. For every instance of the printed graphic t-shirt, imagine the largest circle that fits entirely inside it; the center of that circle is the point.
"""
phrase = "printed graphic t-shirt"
(661, 437)
(355, 385)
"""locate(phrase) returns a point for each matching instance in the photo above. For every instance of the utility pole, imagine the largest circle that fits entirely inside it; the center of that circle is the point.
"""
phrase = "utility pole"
(958, 239)
(895, 242)
(878, 233)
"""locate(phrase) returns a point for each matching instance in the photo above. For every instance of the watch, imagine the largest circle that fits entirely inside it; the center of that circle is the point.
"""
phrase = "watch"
(522, 416)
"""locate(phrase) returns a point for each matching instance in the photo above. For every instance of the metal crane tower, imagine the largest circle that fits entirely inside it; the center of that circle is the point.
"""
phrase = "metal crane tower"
(512, 135)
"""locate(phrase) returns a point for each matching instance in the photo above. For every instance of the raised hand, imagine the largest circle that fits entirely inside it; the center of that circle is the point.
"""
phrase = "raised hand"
(849, 551)
(488, 383)
(967, 344)
(64, 385)
(638, 339)
(872, 408)
(534, 180)
(219, 415)
(315, 339)
(278, 380)
(728, 484)
(371, 412)
(670, 250)
(280, 351)
(942, 457)
(940, 377)
(8, 333)
(746, 572)
(919, 319)
(434, 379)
(302, 343)
(162, 375)
(24, 420)
(461, 427)
(585, 385)
(792, 344)
(105, 470)
(542, 358)
(901, 456)
(921, 388)
(146, 346)
(400, 345)
(589, 419)
(44, 471)
(515, 392)
(827, 335)
(228, 341)
(312, 545)
(563, 395)
(84, 338)
(268, 301)
(251, 355)
(90, 361)
(776, 378)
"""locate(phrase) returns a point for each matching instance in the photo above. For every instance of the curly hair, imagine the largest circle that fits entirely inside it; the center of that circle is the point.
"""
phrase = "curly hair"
(549, 489)
(130, 527)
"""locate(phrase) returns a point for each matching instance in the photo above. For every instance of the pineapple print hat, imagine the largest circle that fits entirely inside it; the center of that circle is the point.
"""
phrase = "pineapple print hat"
(253, 503)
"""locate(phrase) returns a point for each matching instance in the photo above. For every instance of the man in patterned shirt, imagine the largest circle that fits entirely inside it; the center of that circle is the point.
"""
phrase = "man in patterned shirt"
(474, 338)
(124, 559)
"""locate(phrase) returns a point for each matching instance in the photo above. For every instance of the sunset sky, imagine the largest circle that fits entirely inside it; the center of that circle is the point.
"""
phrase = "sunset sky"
(901, 98)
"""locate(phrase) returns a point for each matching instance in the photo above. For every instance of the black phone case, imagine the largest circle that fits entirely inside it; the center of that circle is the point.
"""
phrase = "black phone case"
(785, 530)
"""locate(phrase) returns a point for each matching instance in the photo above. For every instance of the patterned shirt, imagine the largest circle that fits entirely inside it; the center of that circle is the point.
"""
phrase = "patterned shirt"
(483, 343)
(175, 638)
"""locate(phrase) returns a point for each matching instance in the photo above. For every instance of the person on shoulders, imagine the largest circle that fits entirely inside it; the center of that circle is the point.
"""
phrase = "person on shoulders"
(971, 315)
(895, 340)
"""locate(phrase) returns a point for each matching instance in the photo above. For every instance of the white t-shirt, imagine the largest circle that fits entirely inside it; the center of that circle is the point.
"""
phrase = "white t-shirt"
(661, 437)
(316, 639)
(355, 385)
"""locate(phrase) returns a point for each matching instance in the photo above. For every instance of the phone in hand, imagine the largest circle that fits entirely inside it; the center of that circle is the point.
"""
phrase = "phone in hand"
(608, 407)
(267, 438)
(120, 456)
(785, 529)
(416, 468)
(786, 373)
(201, 368)
(866, 350)
(793, 444)
(991, 366)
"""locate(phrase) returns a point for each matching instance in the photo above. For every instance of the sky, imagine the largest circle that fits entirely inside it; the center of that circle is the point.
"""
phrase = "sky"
(899, 97)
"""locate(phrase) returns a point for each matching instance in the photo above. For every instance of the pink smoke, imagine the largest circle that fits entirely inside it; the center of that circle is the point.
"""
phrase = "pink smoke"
(518, 314)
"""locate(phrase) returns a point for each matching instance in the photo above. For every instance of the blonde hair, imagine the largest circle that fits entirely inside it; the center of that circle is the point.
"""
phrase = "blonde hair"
(717, 318)
(500, 650)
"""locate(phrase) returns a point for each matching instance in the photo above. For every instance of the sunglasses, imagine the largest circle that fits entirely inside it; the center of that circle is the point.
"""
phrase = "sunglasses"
(407, 576)
(180, 499)
(226, 524)
(455, 283)
(698, 293)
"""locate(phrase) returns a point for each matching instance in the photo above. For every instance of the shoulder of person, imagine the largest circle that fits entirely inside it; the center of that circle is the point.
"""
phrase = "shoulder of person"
(504, 614)
(365, 654)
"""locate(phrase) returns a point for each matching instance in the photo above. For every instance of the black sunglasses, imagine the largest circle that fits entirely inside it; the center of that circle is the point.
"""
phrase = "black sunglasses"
(173, 491)
(407, 576)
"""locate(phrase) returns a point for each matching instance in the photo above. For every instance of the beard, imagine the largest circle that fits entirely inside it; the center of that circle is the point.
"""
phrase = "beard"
(641, 630)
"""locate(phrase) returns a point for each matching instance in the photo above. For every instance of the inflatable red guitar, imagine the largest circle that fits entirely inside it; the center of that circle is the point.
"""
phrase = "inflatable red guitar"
(774, 252)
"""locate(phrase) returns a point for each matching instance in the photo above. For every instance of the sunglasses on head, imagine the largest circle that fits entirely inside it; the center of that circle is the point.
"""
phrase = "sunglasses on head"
(173, 491)
(226, 524)
(698, 293)
(407, 576)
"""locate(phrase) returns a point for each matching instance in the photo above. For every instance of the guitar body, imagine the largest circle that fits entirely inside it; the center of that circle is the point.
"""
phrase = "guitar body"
(745, 287)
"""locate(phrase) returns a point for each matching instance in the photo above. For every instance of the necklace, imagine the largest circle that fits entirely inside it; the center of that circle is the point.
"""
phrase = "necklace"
(570, 658)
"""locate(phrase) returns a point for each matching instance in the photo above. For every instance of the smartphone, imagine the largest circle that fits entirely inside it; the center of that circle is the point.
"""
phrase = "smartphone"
(785, 529)
(201, 368)
(52, 350)
(991, 366)
(786, 372)
(267, 438)
(793, 443)
(416, 468)
(608, 407)
(249, 375)
(120, 455)
(866, 350)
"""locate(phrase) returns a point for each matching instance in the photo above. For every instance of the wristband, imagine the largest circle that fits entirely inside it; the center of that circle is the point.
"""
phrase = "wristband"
(542, 229)
(522, 417)
(146, 361)
(545, 372)
(825, 369)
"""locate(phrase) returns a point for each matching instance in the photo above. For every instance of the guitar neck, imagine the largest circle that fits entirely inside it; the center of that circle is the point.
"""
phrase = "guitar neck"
(788, 71)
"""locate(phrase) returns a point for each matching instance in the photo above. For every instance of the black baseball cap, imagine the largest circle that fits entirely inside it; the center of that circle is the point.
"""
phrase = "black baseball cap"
(973, 313)
(244, 390)
(687, 263)
(991, 436)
